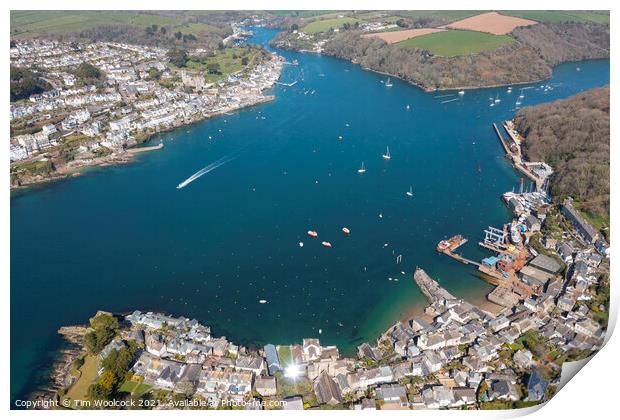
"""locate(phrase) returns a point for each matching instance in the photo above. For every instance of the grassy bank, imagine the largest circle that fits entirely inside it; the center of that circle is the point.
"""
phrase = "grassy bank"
(453, 43)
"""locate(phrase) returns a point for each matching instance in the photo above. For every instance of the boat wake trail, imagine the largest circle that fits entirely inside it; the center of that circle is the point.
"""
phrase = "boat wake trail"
(206, 170)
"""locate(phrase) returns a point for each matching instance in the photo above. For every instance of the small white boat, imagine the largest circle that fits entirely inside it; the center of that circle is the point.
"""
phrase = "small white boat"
(410, 192)
(339, 137)
(461, 92)
(518, 103)
(388, 83)
(346, 231)
(326, 244)
(387, 155)
(301, 244)
(362, 169)
(262, 301)
(312, 233)
(497, 100)
(408, 107)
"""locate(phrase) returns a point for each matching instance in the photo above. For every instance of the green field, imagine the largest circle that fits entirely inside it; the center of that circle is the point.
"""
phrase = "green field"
(134, 388)
(88, 376)
(195, 28)
(24, 23)
(327, 24)
(228, 59)
(453, 43)
(285, 356)
(559, 16)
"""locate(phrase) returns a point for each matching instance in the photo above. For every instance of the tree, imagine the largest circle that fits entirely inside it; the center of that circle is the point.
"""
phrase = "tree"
(162, 30)
(87, 72)
(213, 68)
(24, 83)
(178, 57)
(98, 392)
(118, 362)
(178, 35)
(245, 61)
(154, 74)
(104, 328)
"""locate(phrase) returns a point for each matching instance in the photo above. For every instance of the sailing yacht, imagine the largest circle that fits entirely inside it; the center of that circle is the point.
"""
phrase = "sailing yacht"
(387, 155)
(497, 100)
(362, 169)
(410, 192)
(388, 83)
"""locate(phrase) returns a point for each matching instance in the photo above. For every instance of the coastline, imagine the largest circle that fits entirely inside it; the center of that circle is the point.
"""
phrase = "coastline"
(441, 89)
(128, 155)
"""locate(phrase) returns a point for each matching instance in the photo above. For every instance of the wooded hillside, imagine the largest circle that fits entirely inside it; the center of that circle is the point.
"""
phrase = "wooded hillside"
(572, 135)
(531, 58)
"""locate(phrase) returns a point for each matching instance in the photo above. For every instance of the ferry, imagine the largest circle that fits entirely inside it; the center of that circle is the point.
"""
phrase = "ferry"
(387, 155)
(410, 192)
(362, 169)
(346, 231)
(312, 233)
(326, 244)
(388, 83)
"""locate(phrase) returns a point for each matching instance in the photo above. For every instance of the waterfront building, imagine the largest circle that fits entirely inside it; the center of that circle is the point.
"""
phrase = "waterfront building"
(327, 390)
(585, 229)
(273, 361)
(546, 263)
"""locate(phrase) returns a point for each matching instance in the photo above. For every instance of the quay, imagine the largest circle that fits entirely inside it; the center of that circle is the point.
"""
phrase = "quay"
(513, 150)
(135, 150)
(447, 247)
(429, 287)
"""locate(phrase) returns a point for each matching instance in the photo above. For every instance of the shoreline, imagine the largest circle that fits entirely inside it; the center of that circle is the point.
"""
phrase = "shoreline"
(128, 155)
(442, 89)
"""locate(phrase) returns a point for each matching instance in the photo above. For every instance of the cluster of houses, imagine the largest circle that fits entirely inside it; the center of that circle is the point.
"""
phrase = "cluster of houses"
(453, 356)
(130, 104)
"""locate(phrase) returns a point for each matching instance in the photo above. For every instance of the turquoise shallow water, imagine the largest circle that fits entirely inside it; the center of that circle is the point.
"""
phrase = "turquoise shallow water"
(125, 238)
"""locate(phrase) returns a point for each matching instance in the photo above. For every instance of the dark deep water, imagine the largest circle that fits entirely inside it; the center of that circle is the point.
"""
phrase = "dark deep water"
(125, 238)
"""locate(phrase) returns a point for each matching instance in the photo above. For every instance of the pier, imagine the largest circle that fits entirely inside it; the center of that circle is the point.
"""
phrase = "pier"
(513, 150)
(429, 287)
(136, 150)
(447, 247)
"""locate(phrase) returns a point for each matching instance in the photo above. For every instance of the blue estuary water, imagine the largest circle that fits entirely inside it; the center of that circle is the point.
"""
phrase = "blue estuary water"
(124, 238)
